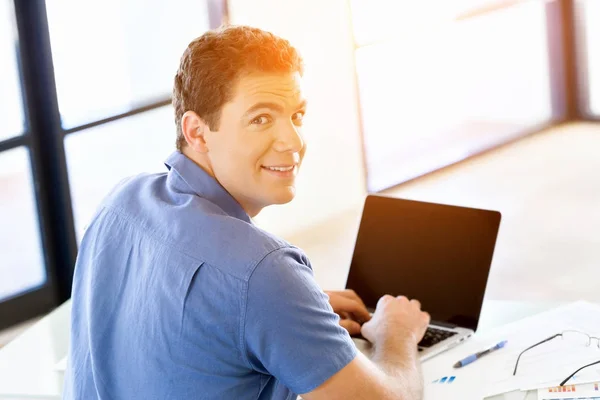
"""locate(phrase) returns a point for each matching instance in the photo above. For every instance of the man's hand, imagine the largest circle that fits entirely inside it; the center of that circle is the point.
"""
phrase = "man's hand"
(396, 318)
(351, 309)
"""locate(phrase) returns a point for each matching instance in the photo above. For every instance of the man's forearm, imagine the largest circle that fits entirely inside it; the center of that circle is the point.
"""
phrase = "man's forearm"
(399, 360)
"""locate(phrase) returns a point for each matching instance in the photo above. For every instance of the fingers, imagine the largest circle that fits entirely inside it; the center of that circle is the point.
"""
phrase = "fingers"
(367, 330)
(357, 309)
(344, 315)
(394, 315)
(351, 294)
(413, 302)
(427, 317)
(384, 299)
(352, 327)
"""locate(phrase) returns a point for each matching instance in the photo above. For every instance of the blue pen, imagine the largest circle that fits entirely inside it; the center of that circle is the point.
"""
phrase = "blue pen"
(476, 356)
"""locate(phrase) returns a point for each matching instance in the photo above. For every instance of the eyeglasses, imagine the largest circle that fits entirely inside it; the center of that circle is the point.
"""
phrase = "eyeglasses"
(573, 374)
(575, 337)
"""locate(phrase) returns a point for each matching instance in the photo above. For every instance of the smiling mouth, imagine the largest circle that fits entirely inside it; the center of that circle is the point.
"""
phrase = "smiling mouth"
(280, 169)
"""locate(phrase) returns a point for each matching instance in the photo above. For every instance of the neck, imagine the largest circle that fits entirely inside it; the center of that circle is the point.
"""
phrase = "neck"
(202, 160)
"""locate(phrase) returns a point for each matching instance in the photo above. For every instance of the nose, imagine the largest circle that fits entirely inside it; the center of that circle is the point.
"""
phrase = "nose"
(289, 139)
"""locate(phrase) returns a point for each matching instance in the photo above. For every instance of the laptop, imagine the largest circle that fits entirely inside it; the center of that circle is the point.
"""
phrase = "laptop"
(435, 253)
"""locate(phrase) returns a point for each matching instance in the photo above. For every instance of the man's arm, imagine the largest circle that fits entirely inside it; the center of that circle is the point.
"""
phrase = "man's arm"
(291, 332)
(394, 371)
(351, 309)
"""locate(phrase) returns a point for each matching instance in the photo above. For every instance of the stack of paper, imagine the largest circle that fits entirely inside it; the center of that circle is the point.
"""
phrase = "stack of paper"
(545, 366)
(587, 391)
(548, 364)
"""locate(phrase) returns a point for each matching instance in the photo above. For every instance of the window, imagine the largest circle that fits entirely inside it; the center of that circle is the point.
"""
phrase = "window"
(379, 20)
(136, 144)
(435, 94)
(81, 83)
(21, 258)
(11, 103)
(113, 56)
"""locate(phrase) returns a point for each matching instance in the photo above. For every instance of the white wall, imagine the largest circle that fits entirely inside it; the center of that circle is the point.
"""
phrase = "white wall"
(332, 177)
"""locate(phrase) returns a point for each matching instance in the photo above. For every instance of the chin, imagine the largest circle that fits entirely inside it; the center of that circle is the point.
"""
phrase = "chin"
(284, 197)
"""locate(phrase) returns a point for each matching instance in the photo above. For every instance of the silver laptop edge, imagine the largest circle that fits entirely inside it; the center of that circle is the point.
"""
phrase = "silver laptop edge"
(462, 334)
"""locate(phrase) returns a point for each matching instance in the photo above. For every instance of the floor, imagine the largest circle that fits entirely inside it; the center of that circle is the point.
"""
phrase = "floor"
(547, 187)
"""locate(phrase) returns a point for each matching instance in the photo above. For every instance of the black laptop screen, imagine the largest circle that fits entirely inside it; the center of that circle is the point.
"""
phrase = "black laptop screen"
(439, 254)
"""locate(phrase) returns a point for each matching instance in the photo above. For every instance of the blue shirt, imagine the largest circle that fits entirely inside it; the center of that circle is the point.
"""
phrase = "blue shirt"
(177, 295)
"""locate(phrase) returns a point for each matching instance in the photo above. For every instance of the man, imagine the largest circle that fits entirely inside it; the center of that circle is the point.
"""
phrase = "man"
(177, 295)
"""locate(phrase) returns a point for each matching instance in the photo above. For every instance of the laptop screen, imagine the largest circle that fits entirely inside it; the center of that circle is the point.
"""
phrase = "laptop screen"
(438, 254)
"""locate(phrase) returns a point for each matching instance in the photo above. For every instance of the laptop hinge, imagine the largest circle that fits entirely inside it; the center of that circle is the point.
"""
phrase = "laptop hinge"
(443, 324)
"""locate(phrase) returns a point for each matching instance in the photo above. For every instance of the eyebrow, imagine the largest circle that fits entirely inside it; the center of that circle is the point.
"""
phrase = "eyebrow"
(272, 106)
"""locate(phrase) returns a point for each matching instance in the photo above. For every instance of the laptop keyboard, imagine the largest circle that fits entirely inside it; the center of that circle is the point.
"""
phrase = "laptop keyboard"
(434, 336)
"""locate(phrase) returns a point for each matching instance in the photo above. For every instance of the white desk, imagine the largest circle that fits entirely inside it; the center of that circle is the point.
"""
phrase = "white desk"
(27, 363)
(495, 314)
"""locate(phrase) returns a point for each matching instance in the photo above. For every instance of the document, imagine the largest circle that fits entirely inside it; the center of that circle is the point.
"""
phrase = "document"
(581, 392)
(548, 364)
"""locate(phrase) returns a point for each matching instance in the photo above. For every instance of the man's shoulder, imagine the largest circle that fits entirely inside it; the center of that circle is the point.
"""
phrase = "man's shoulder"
(191, 224)
(126, 192)
(238, 247)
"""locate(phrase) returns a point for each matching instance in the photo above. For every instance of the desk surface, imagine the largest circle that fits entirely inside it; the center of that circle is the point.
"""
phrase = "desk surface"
(27, 363)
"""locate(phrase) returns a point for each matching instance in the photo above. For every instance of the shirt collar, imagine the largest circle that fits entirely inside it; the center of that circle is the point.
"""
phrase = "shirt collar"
(204, 185)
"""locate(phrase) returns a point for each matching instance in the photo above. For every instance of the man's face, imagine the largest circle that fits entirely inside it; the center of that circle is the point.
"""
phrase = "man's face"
(258, 149)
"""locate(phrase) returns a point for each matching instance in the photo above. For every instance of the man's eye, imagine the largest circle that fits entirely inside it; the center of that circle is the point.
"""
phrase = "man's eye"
(261, 120)
(298, 117)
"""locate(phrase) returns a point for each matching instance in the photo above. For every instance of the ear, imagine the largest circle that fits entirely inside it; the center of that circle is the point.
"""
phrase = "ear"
(194, 130)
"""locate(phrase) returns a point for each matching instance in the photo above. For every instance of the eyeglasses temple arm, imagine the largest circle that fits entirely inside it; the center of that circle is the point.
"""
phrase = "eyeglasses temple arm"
(573, 374)
(531, 347)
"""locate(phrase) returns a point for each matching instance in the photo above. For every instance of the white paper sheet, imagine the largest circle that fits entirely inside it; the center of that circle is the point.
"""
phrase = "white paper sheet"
(544, 366)
(585, 391)
(551, 362)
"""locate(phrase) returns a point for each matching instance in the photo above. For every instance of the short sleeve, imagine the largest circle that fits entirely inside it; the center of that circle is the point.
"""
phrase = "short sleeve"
(290, 329)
